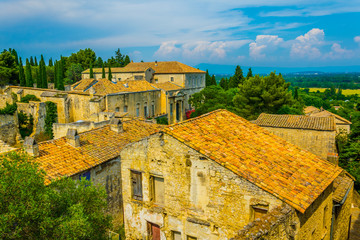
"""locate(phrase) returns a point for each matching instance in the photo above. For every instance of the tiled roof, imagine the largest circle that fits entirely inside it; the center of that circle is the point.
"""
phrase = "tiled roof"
(294, 175)
(311, 109)
(104, 86)
(325, 113)
(159, 68)
(167, 86)
(58, 158)
(296, 121)
(341, 185)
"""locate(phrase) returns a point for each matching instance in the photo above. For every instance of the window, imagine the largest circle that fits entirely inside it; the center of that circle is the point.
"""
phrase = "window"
(158, 190)
(153, 231)
(145, 112)
(171, 79)
(152, 109)
(156, 80)
(85, 175)
(117, 109)
(138, 77)
(138, 110)
(325, 216)
(259, 212)
(136, 185)
(119, 79)
(125, 108)
(171, 109)
(176, 235)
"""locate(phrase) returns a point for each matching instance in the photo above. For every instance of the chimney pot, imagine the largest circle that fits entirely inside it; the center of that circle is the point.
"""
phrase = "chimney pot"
(31, 146)
(116, 125)
(73, 137)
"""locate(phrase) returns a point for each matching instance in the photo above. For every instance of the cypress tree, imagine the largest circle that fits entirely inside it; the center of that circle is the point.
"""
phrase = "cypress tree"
(21, 74)
(213, 80)
(39, 76)
(60, 75)
(31, 61)
(237, 79)
(110, 75)
(36, 63)
(224, 83)
(50, 62)
(207, 79)
(127, 60)
(103, 72)
(55, 74)
(43, 73)
(14, 53)
(28, 76)
(249, 74)
(91, 71)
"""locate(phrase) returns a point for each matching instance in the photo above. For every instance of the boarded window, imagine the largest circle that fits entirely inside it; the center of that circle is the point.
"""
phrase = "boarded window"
(136, 184)
(158, 190)
(259, 212)
(176, 235)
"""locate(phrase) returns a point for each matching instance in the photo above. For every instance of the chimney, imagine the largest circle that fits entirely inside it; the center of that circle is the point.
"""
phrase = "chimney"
(31, 146)
(155, 63)
(116, 125)
(132, 61)
(73, 138)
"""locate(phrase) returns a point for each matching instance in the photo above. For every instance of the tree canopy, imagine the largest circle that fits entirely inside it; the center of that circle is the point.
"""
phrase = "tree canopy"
(65, 209)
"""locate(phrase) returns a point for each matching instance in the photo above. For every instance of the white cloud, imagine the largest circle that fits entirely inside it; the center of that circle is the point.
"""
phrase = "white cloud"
(337, 52)
(167, 49)
(264, 44)
(357, 39)
(307, 45)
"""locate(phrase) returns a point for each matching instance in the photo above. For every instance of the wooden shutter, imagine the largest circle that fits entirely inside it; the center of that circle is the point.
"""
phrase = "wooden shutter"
(136, 185)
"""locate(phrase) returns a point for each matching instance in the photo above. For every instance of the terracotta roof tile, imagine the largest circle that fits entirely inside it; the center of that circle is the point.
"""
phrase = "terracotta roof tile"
(159, 68)
(104, 86)
(311, 109)
(325, 113)
(58, 158)
(167, 86)
(292, 174)
(341, 185)
(296, 121)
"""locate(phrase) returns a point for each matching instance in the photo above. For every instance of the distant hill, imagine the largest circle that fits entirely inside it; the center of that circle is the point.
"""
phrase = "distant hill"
(218, 69)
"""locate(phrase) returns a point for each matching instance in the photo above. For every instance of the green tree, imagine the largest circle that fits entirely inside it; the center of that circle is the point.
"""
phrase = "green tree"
(44, 83)
(64, 209)
(126, 60)
(262, 94)
(110, 75)
(99, 62)
(73, 73)
(249, 74)
(296, 93)
(213, 80)
(50, 62)
(237, 79)
(8, 69)
(224, 83)
(32, 61)
(119, 58)
(28, 75)
(91, 71)
(103, 72)
(35, 62)
(60, 76)
(84, 57)
(22, 74)
(14, 53)
(207, 79)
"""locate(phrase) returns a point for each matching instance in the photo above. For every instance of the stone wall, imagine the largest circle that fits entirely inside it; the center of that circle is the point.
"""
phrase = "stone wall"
(9, 130)
(319, 143)
(107, 175)
(342, 215)
(38, 111)
(202, 198)
(60, 129)
(5, 98)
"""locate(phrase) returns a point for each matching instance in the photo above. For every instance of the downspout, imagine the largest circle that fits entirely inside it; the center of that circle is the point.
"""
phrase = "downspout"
(333, 212)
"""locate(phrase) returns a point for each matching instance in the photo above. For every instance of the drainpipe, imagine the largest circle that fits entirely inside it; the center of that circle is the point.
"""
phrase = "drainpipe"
(333, 212)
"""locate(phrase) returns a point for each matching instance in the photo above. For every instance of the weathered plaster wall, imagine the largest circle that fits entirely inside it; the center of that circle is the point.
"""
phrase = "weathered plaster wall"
(38, 111)
(5, 98)
(60, 129)
(319, 143)
(9, 130)
(202, 198)
(342, 218)
(107, 175)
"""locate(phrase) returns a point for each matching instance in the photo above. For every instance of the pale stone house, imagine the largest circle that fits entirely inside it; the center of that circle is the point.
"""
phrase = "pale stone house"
(342, 124)
(92, 154)
(209, 177)
(315, 134)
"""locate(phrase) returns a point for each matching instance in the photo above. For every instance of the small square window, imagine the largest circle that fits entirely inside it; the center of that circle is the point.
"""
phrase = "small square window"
(172, 79)
(158, 190)
(176, 235)
(259, 212)
(125, 108)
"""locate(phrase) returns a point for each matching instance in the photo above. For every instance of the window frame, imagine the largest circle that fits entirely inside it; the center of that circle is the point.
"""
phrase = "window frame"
(134, 194)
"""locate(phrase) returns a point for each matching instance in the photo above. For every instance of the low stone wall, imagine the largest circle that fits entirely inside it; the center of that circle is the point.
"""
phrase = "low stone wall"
(5, 98)
(60, 129)
(9, 131)
(38, 111)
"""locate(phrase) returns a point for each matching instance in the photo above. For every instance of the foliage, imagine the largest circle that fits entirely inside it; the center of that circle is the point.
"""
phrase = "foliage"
(110, 74)
(28, 75)
(51, 117)
(73, 73)
(21, 74)
(8, 68)
(91, 71)
(162, 120)
(26, 124)
(237, 79)
(103, 71)
(262, 94)
(65, 209)
(8, 109)
(224, 83)
(29, 97)
(212, 98)
(84, 57)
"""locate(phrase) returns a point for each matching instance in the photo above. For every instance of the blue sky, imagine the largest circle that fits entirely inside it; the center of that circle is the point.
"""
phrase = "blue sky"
(246, 32)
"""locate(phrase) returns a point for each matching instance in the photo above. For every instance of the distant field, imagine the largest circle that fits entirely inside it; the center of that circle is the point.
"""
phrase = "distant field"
(344, 91)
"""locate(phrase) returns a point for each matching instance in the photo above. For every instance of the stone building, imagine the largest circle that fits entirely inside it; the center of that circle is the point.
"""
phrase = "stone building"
(315, 134)
(209, 177)
(92, 154)
(342, 124)
(190, 79)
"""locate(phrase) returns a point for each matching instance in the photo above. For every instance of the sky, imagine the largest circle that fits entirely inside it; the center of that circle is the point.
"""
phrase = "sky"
(269, 33)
